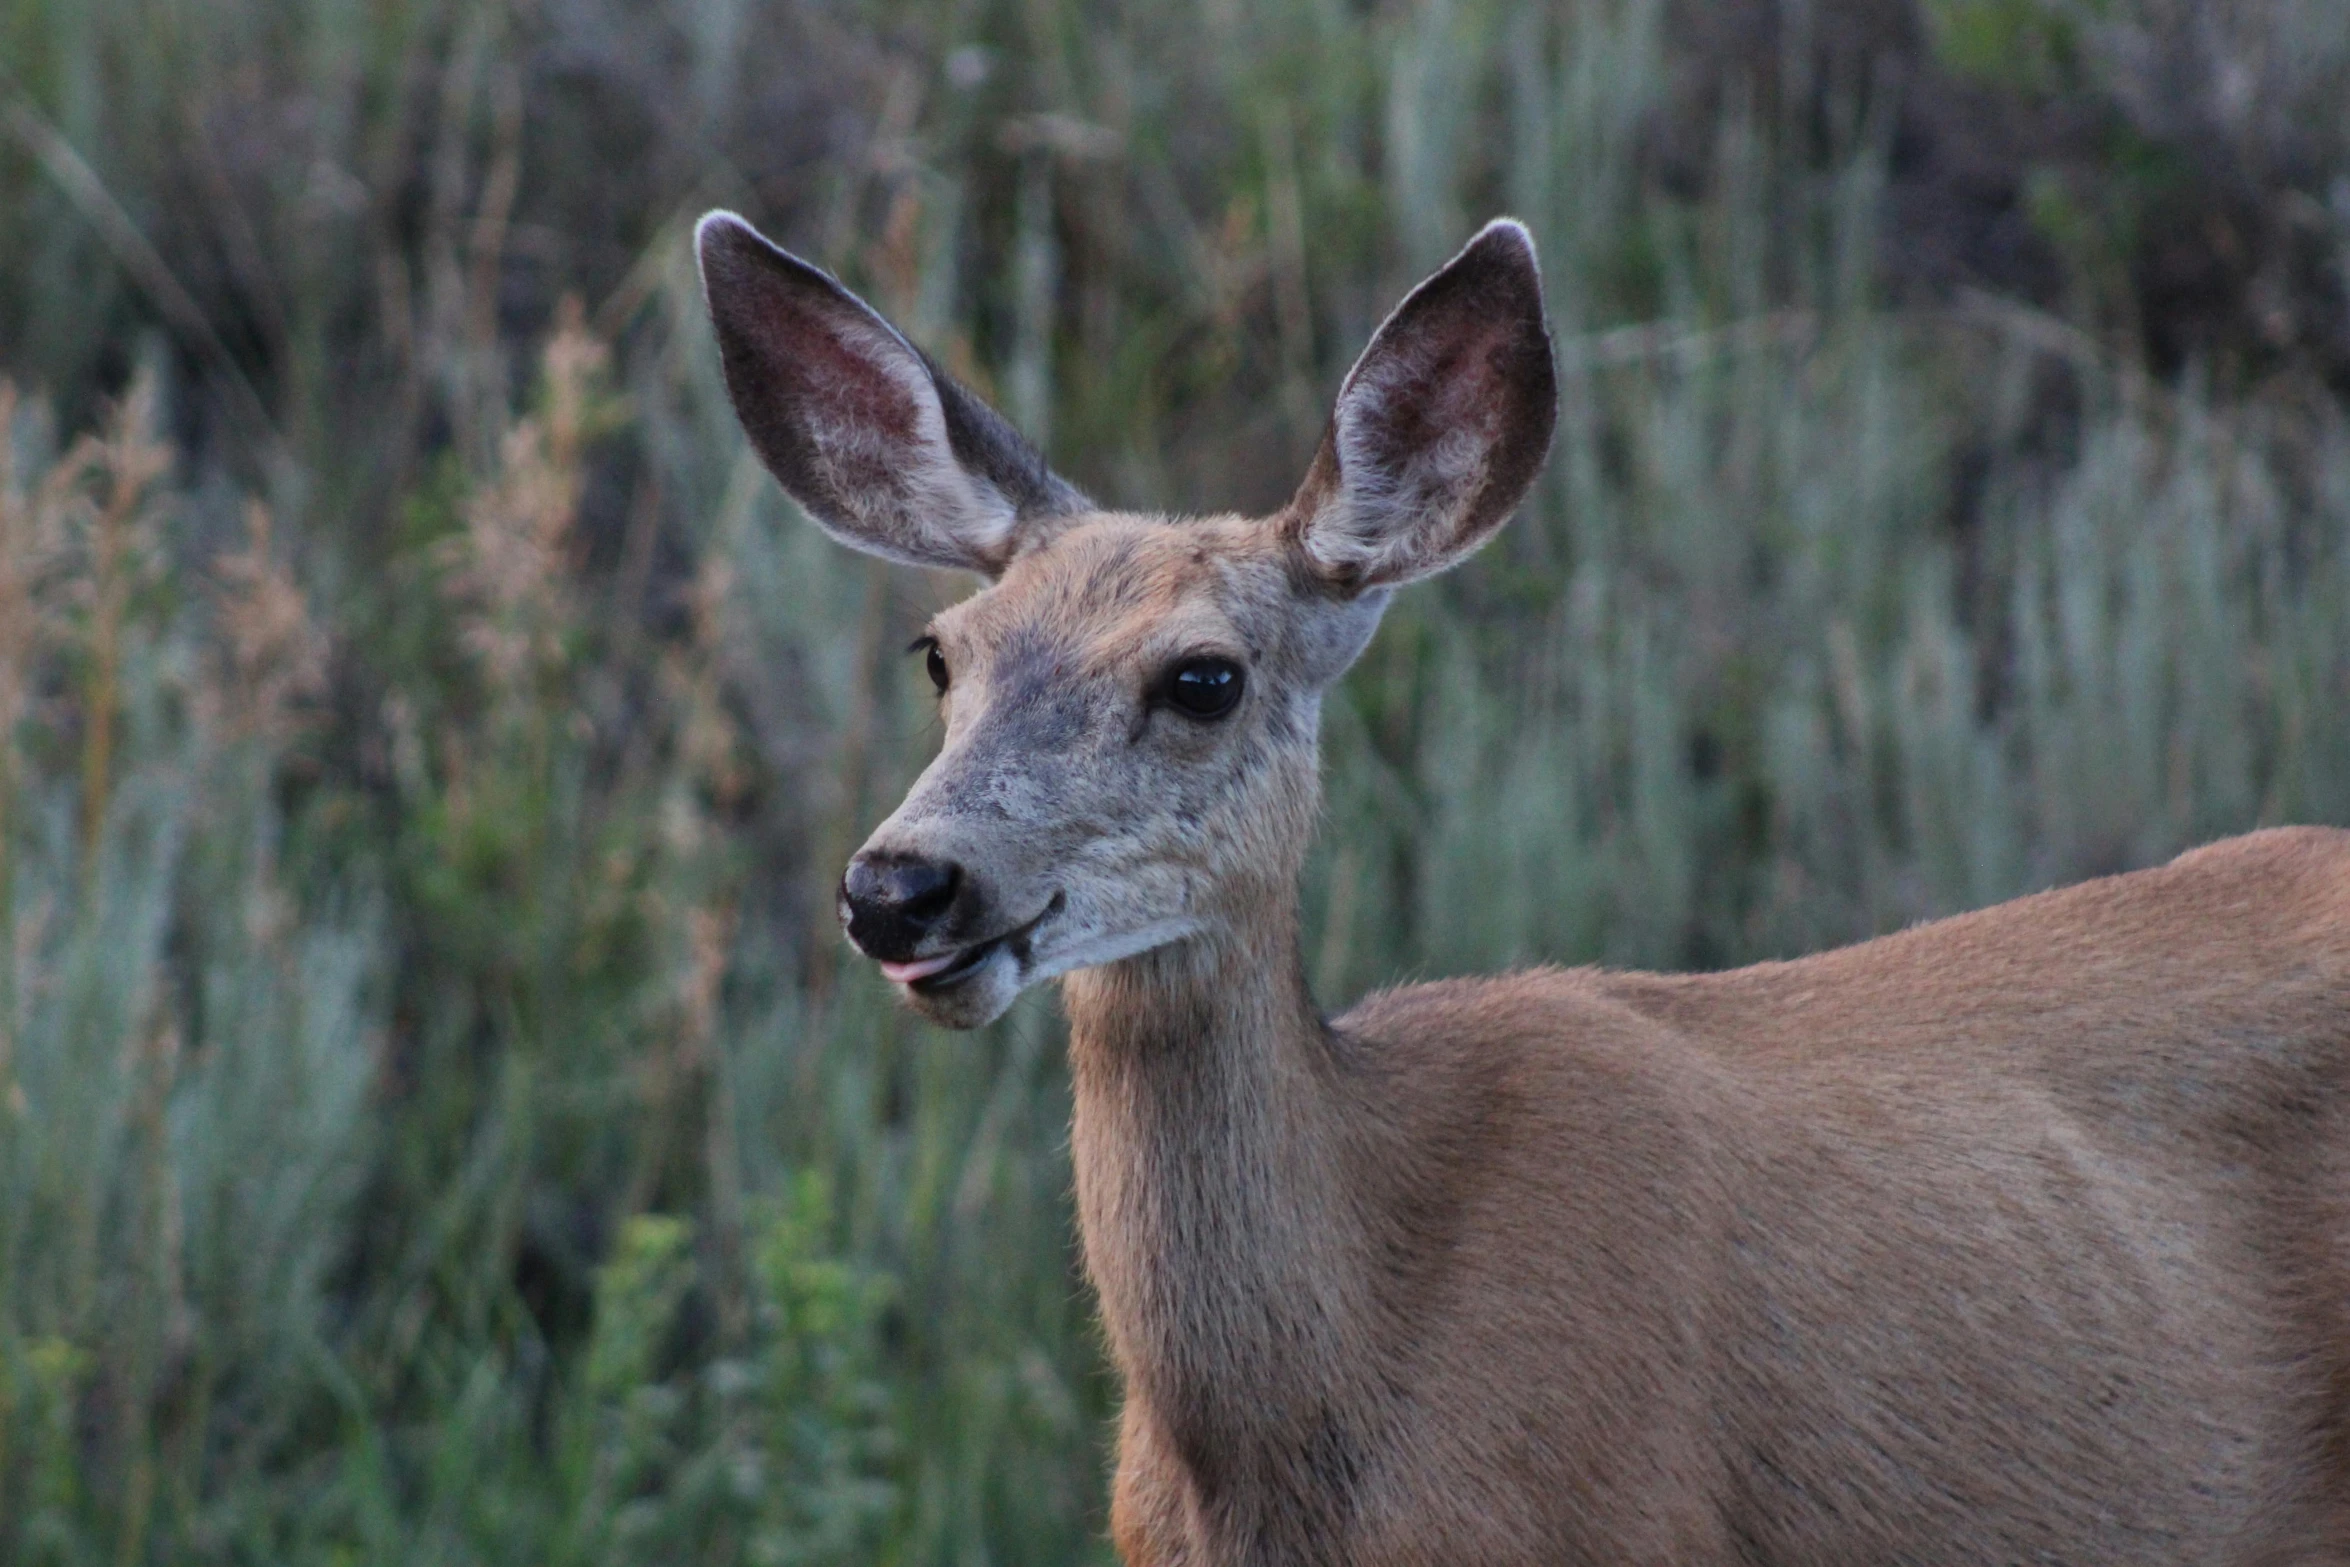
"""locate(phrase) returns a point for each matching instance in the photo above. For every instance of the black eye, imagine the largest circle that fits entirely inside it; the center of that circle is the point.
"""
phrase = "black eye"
(933, 662)
(1204, 687)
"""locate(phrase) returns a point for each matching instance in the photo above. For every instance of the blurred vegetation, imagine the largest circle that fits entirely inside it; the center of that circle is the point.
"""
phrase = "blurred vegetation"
(436, 1121)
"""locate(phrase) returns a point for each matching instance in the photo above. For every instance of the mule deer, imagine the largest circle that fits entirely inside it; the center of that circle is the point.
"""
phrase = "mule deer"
(2019, 1237)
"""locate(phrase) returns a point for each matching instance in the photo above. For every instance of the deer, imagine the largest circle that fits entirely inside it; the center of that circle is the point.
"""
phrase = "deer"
(2018, 1236)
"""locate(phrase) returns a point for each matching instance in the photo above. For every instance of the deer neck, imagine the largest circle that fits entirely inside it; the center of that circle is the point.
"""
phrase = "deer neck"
(1209, 1139)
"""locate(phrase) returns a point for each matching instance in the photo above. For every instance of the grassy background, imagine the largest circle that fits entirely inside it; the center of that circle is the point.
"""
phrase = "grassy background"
(437, 1121)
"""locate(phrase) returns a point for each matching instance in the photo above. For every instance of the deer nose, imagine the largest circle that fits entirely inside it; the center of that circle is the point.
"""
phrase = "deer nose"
(889, 902)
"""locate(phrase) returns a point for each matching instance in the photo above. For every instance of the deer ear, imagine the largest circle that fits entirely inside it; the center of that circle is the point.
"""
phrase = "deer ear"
(885, 450)
(1440, 426)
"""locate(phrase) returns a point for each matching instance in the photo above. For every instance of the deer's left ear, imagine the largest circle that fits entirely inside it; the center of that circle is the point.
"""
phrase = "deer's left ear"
(885, 450)
(1440, 427)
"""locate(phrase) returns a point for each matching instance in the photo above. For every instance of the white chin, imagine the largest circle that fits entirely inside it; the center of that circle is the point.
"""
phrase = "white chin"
(1094, 950)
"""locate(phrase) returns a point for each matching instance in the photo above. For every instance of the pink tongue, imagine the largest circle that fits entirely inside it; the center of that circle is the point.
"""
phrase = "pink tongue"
(920, 968)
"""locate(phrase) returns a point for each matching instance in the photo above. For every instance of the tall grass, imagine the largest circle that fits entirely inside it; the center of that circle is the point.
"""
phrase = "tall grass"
(437, 1119)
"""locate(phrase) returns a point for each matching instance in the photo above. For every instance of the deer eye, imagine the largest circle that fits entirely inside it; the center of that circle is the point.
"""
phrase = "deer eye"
(934, 663)
(1204, 687)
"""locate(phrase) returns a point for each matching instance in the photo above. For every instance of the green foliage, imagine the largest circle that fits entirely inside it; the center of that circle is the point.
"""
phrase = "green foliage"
(780, 1453)
(40, 1389)
(2030, 45)
(436, 1120)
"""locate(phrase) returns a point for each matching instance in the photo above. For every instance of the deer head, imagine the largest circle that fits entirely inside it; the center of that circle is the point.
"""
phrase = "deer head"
(1131, 704)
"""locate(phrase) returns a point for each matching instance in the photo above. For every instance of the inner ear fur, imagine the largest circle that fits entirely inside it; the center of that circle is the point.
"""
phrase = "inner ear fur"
(886, 451)
(1439, 428)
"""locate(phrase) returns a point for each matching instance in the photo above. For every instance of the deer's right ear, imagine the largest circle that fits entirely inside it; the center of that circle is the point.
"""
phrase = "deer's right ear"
(886, 451)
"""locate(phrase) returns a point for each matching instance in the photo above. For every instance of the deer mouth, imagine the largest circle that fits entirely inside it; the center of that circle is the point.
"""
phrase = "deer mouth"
(944, 971)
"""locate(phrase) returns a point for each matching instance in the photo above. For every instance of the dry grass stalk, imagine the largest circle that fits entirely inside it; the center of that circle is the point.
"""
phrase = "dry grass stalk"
(274, 653)
(512, 561)
(28, 545)
(34, 517)
(708, 742)
(117, 550)
(709, 938)
(73, 542)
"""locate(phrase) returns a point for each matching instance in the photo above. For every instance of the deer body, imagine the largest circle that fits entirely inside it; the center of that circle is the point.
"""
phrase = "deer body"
(2019, 1237)
(1961, 1245)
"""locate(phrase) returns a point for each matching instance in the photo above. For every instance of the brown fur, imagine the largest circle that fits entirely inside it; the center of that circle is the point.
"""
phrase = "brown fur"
(2022, 1236)
(2019, 1237)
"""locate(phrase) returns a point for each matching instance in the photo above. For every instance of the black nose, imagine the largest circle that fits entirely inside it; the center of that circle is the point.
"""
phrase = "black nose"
(889, 902)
